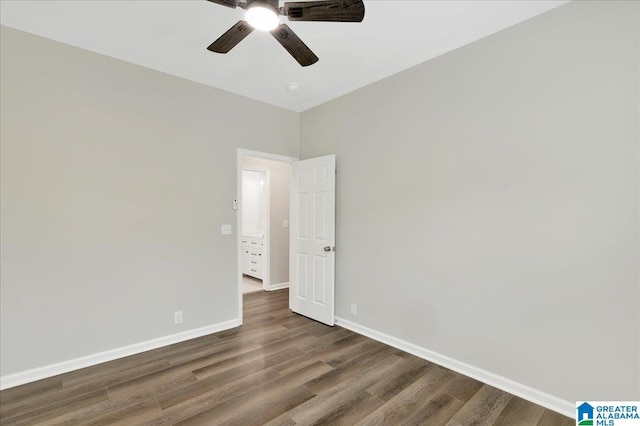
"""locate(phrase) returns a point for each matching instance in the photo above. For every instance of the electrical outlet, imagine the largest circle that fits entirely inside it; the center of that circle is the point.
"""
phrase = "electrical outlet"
(285, 223)
(225, 229)
(354, 309)
(177, 317)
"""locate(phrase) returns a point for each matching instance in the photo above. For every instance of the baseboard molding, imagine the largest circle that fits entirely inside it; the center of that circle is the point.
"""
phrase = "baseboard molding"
(51, 370)
(551, 402)
(279, 286)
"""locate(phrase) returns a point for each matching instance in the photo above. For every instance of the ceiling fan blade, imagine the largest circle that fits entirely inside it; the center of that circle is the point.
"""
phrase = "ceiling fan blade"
(327, 10)
(290, 41)
(229, 3)
(231, 38)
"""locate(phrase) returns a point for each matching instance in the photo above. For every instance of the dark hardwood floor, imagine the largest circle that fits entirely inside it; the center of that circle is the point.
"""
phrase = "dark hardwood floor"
(277, 369)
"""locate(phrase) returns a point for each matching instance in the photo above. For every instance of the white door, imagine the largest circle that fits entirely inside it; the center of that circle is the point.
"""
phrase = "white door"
(312, 238)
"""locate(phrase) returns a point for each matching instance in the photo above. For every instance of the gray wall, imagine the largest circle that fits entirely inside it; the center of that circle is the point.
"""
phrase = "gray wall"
(280, 179)
(487, 203)
(115, 180)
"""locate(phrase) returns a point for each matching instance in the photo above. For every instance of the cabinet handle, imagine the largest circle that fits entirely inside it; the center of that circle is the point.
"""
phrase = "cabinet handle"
(255, 263)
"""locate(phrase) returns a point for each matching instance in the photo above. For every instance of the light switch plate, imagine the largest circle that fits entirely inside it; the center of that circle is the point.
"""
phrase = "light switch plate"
(225, 229)
(285, 223)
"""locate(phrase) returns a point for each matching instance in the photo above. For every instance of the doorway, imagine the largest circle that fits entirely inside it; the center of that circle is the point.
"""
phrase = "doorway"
(263, 188)
(255, 208)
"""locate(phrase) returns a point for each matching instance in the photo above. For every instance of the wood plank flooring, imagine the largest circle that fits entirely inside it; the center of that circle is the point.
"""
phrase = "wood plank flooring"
(277, 369)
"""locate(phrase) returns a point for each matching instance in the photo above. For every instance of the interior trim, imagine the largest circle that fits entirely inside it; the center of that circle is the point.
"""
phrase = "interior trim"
(278, 286)
(20, 378)
(566, 408)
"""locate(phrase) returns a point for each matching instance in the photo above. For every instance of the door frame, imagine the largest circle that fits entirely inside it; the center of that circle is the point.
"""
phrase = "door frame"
(267, 235)
(266, 222)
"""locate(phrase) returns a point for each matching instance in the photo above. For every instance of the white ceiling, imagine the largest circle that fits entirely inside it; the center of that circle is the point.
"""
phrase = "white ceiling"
(172, 36)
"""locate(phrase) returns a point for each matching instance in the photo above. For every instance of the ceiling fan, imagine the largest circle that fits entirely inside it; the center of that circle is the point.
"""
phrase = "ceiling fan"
(263, 15)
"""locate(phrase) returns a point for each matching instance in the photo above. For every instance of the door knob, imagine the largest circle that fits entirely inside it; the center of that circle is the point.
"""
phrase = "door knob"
(327, 248)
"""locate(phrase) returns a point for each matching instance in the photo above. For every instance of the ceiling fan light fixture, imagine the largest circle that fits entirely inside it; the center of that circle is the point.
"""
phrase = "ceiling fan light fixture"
(265, 15)
(262, 17)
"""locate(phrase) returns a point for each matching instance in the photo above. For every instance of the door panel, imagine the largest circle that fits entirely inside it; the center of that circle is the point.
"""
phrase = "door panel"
(312, 264)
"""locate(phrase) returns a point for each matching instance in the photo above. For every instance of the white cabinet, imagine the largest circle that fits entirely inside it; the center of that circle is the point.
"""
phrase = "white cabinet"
(253, 221)
(252, 256)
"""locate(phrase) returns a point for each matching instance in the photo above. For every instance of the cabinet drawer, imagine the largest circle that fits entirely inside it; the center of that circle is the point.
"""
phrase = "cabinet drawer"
(251, 252)
(252, 262)
(252, 266)
(252, 242)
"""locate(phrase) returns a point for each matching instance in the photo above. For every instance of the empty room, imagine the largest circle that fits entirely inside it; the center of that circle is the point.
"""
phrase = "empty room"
(340, 212)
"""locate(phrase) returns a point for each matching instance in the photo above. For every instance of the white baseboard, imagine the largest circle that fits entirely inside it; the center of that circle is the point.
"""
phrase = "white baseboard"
(551, 402)
(39, 373)
(279, 286)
